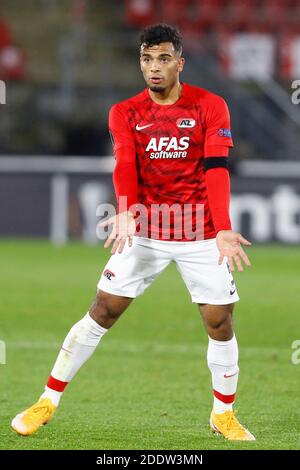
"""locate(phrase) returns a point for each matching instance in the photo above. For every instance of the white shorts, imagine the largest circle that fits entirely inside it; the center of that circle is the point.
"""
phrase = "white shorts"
(128, 274)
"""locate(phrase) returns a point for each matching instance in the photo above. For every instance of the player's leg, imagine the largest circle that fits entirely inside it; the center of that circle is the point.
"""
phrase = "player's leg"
(222, 359)
(125, 276)
(212, 287)
(222, 354)
(82, 340)
(77, 348)
(107, 308)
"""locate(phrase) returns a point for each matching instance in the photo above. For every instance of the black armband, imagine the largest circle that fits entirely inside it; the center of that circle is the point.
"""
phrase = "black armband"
(215, 162)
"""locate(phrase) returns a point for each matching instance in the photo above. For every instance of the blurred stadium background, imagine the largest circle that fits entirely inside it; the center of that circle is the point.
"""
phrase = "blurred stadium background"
(64, 63)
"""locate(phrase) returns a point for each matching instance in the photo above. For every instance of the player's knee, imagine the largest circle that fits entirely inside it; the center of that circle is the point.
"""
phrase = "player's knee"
(220, 323)
(219, 326)
(222, 331)
(103, 311)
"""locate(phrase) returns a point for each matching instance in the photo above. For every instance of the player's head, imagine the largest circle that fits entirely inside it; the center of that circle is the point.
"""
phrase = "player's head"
(160, 56)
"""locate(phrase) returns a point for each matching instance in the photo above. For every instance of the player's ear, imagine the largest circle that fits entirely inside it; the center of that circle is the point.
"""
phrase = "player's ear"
(181, 62)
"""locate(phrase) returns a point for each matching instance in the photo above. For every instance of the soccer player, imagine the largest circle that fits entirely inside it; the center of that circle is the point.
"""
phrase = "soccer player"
(171, 145)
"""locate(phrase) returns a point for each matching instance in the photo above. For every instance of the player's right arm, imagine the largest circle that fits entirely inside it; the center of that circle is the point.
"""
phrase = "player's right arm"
(124, 179)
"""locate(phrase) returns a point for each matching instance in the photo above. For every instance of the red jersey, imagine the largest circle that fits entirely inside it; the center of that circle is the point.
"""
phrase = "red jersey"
(169, 144)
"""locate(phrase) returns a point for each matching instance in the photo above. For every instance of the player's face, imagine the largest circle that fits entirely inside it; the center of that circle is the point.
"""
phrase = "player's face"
(161, 66)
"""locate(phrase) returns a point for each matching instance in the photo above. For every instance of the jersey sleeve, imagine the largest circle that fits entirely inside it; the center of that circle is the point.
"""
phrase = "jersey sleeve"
(121, 135)
(218, 193)
(125, 173)
(218, 132)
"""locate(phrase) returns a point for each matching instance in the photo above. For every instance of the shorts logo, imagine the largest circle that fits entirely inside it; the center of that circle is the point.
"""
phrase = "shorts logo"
(233, 288)
(185, 123)
(107, 273)
(224, 133)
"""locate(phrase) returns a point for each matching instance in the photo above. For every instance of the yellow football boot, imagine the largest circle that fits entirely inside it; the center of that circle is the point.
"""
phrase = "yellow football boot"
(228, 425)
(30, 420)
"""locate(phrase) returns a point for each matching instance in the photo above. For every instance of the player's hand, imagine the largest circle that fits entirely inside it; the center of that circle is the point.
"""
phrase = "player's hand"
(229, 244)
(123, 228)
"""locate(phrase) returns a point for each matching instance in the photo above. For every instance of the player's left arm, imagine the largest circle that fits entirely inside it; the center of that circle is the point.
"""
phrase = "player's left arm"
(217, 143)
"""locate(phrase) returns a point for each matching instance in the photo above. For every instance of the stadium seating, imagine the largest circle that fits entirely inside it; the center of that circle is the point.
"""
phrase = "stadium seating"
(139, 13)
(216, 22)
(5, 34)
(289, 54)
(236, 15)
(240, 15)
(12, 58)
(274, 14)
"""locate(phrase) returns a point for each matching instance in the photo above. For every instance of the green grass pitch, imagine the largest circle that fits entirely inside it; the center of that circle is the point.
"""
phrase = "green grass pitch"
(147, 386)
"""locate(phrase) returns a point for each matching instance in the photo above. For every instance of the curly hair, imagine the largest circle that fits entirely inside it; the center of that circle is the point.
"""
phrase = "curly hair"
(155, 34)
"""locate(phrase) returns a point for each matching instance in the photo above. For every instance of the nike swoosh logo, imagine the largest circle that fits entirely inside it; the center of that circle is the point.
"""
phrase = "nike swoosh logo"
(232, 292)
(232, 375)
(139, 128)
